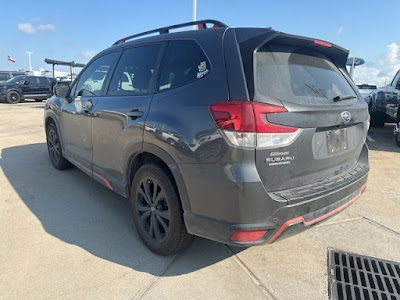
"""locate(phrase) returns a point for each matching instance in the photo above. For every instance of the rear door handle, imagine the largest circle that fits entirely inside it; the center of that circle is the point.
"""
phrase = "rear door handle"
(135, 113)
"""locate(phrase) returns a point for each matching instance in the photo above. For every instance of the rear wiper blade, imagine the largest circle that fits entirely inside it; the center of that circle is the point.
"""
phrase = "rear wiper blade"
(341, 98)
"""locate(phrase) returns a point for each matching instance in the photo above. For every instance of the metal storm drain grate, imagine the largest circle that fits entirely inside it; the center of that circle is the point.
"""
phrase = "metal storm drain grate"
(358, 277)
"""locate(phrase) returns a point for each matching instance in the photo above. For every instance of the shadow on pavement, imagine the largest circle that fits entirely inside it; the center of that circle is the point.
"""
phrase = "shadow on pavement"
(77, 210)
(383, 139)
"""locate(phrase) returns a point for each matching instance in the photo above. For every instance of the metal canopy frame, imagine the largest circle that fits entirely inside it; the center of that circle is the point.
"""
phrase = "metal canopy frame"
(163, 30)
(71, 64)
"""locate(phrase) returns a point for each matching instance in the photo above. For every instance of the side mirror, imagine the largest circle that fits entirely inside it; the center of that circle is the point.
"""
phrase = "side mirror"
(398, 85)
(26, 82)
(61, 90)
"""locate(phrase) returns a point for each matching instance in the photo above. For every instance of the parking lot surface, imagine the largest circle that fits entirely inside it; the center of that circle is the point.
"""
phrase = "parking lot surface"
(64, 236)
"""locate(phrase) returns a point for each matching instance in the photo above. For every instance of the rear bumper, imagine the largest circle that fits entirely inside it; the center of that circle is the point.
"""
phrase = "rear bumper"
(285, 221)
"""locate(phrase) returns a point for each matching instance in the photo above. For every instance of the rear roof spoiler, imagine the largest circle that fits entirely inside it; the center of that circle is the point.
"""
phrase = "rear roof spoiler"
(253, 38)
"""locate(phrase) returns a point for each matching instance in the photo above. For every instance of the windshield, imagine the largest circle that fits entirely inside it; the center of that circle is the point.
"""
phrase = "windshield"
(299, 75)
(16, 79)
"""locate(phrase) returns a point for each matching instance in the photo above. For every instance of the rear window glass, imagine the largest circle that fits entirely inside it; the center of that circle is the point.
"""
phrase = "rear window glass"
(134, 71)
(184, 62)
(301, 76)
(366, 87)
(43, 80)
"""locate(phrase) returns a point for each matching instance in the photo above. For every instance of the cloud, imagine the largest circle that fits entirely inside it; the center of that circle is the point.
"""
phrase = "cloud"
(28, 28)
(46, 27)
(340, 30)
(381, 70)
(88, 53)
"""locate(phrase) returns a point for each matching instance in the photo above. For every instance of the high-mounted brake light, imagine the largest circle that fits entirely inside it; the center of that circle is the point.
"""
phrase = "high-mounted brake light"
(322, 44)
(245, 124)
(121, 41)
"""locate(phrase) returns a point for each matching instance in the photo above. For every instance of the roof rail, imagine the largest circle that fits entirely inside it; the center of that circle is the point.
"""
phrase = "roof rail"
(201, 23)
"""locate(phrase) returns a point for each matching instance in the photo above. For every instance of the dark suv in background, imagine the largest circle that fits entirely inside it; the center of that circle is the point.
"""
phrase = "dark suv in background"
(6, 75)
(239, 135)
(23, 87)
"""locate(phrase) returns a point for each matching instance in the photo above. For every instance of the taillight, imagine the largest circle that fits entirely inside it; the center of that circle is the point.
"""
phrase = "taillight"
(247, 236)
(245, 124)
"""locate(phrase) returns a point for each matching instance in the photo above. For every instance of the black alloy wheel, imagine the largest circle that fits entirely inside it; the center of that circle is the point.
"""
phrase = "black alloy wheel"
(54, 149)
(157, 211)
(13, 97)
(152, 207)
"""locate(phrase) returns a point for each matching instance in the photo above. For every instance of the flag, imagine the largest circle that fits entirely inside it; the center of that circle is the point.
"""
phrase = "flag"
(11, 59)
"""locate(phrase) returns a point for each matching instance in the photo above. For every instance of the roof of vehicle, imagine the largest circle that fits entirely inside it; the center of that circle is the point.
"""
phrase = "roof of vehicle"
(218, 28)
(22, 72)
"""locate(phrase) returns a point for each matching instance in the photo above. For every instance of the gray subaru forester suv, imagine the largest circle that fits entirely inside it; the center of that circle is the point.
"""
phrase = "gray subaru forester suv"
(239, 135)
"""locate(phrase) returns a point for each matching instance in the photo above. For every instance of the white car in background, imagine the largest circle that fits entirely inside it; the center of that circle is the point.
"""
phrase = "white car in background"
(365, 90)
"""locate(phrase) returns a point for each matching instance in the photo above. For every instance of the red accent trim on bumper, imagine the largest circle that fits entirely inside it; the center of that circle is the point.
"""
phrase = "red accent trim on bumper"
(90, 171)
(311, 222)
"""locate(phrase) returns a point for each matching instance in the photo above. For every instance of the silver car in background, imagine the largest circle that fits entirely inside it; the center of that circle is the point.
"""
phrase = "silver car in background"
(365, 90)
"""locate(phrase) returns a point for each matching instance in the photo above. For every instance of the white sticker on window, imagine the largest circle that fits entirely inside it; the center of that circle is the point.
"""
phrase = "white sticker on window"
(203, 71)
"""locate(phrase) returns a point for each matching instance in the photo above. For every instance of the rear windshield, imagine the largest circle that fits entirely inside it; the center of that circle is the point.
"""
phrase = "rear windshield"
(366, 87)
(299, 75)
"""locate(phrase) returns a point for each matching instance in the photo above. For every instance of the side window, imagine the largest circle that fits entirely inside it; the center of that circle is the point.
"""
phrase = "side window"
(43, 81)
(92, 80)
(32, 80)
(134, 71)
(184, 62)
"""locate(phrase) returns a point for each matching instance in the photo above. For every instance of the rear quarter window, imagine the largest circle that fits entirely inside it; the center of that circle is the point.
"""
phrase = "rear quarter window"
(299, 75)
(184, 62)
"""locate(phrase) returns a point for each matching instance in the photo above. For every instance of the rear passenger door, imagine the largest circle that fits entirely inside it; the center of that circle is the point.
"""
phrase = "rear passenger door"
(44, 87)
(119, 115)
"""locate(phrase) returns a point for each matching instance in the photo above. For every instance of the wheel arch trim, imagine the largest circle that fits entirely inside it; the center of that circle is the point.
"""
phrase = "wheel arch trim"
(16, 90)
(50, 116)
(170, 163)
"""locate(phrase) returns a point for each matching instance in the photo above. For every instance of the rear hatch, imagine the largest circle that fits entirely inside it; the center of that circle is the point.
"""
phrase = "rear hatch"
(325, 119)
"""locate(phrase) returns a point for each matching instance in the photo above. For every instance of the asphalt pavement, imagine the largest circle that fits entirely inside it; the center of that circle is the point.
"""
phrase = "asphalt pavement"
(64, 236)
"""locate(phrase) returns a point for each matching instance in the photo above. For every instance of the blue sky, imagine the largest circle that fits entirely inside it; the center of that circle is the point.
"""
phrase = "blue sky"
(75, 30)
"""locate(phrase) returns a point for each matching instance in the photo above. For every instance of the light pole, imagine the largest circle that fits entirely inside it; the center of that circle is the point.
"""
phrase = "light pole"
(29, 57)
(194, 13)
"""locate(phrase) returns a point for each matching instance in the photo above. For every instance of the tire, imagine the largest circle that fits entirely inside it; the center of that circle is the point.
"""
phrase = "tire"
(157, 211)
(38, 100)
(397, 136)
(377, 120)
(54, 149)
(13, 97)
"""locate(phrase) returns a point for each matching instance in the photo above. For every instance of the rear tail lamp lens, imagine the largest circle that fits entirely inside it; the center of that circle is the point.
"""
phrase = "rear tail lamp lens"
(247, 236)
(245, 124)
